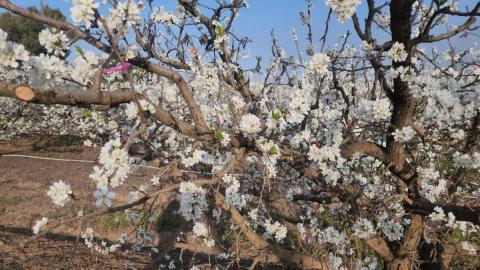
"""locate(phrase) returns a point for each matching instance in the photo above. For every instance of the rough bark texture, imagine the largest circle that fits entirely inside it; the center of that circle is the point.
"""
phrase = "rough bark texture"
(379, 245)
(393, 155)
(403, 104)
(403, 101)
(279, 253)
(407, 255)
(462, 213)
(77, 97)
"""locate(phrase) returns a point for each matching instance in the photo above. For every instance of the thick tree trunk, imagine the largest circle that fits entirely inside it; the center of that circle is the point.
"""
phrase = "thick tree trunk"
(407, 255)
(403, 104)
(403, 101)
(432, 256)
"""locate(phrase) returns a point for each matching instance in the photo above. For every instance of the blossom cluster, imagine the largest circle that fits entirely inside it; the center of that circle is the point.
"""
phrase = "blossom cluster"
(467, 161)
(275, 229)
(343, 8)
(83, 12)
(55, 42)
(159, 15)
(376, 110)
(432, 186)
(201, 231)
(192, 201)
(124, 12)
(60, 193)
(329, 160)
(405, 134)
(250, 124)
(47, 68)
(11, 54)
(115, 165)
(397, 53)
(319, 64)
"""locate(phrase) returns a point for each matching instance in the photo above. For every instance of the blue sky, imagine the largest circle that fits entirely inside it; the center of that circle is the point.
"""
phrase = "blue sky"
(256, 22)
(263, 16)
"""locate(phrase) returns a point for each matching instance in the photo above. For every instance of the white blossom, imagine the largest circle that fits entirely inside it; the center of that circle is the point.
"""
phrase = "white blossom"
(155, 180)
(60, 193)
(432, 186)
(405, 134)
(467, 161)
(363, 228)
(55, 42)
(333, 236)
(84, 67)
(200, 230)
(103, 197)
(192, 201)
(319, 64)
(198, 156)
(335, 262)
(276, 230)
(232, 192)
(83, 12)
(146, 106)
(115, 165)
(14, 53)
(393, 230)
(3, 39)
(397, 53)
(48, 67)
(39, 224)
(343, 8)
(438, 214)
(159, 15)
(376, 110)
(250, 124)
(131, 110)
(383, 20)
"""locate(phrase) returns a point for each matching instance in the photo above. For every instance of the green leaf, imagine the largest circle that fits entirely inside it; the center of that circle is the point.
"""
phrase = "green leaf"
(273, 150)
(20, 120)
(457, 235)
(220, 31)
(79, 50)
(85, 114)
(276, 115)
(218, 135)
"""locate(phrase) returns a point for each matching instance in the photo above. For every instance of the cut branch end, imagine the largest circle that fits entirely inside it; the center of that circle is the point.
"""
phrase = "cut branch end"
(24, 93)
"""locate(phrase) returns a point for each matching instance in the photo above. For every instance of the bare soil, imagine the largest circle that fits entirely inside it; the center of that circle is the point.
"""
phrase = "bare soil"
(24, 183)
(23, 199)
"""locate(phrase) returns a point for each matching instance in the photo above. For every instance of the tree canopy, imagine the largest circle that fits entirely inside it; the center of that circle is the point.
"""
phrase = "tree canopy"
(359, 155)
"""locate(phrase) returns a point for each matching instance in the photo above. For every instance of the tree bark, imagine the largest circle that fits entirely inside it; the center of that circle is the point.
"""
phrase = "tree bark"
(407, 255)
(402, 99)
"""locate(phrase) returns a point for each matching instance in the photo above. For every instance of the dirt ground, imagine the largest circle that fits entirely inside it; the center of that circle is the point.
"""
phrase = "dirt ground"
(56, 251)
(23, 186)
(24, 182)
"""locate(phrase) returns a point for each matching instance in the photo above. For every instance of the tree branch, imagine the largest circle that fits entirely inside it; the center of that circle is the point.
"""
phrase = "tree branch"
(462, 213)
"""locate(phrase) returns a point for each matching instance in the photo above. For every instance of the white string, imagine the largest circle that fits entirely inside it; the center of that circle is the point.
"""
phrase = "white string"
(88, 161)
(47, 158)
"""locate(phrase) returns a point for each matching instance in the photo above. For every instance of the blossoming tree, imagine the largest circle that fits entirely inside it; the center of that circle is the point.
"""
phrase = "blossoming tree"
(340, 158)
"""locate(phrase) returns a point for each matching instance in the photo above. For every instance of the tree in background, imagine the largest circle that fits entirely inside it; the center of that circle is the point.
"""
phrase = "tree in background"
(25, 31)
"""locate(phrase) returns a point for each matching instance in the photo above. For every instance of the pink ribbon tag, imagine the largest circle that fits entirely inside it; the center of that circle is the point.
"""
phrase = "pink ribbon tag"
(120, 68)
